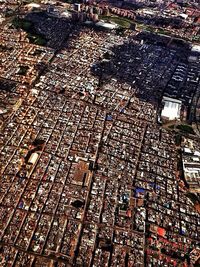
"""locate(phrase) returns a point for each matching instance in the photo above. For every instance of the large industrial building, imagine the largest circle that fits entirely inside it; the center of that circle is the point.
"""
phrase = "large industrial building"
(171, 109)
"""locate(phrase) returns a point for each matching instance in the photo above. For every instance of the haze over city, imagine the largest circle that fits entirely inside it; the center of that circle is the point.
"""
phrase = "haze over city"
(99, 133)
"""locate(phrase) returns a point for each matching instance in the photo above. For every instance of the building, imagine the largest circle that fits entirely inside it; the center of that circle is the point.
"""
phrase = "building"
(191, 164)
(77, 7)
(50, 9)
(171, 108)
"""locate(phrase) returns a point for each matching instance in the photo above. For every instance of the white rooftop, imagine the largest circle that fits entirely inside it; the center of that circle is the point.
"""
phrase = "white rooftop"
(171, 109)
(106, 25)
(195, 48)
(33, 5)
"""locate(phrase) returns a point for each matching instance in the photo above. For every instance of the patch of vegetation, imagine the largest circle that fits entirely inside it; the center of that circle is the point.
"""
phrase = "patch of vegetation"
(70, 1)
(7, 86)
(120, 31)
(37, 39)
(37, 52)
(122, 22)
(22, 24)
(178, 139)
(141, 26)
(162, 31)
(196, 38)
(9, 13)
(29, 28)
(193, 197)
(23, 70)
(4, 48)
(185, 128)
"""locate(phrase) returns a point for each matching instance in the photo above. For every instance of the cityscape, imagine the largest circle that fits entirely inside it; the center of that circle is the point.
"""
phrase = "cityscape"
(100, 133)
